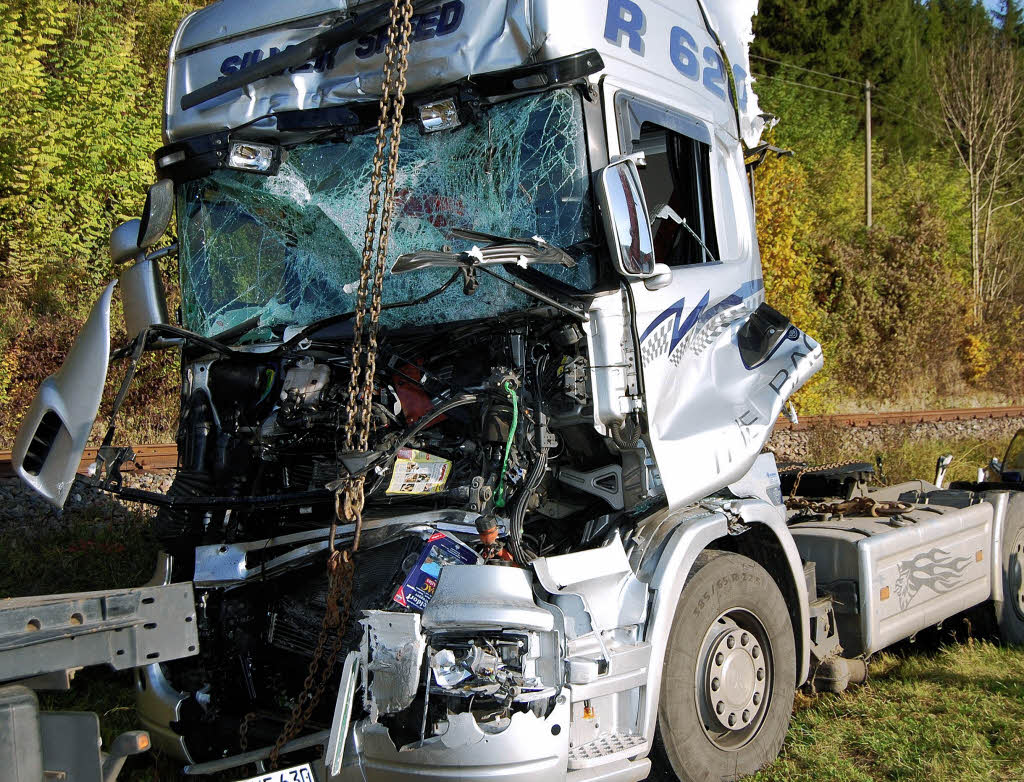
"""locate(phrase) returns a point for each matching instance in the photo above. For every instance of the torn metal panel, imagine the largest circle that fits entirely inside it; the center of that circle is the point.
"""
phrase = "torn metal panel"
(474, 597)
(733, 22)
(392, 653)
(709, 413)
(53, 434)
(451, 40)
(604, 581)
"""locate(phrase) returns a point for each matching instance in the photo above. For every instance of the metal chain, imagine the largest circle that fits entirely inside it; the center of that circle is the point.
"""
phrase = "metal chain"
(349, 492)
(856, 506)
(816, 468)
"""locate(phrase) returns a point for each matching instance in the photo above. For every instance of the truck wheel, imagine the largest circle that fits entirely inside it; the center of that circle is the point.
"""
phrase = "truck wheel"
(1011, 614)
(728, 681)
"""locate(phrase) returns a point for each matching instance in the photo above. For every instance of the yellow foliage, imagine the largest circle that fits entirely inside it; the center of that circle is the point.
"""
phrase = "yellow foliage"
(785, 226)
(977, 357)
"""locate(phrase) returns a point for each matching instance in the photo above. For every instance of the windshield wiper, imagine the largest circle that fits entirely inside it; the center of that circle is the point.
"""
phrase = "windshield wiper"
(498, 250)
(291, 57)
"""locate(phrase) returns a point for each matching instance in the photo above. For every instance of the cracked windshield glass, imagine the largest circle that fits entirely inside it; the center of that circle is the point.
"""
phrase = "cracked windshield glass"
(287, 248)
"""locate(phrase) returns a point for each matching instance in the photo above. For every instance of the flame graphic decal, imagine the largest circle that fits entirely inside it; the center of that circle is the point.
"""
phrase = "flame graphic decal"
(937, 569)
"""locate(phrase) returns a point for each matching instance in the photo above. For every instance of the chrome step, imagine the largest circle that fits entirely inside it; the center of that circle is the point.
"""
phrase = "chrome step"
(604, 749)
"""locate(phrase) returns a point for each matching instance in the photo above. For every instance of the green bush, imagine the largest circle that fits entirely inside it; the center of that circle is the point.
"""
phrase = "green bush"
(82, 89)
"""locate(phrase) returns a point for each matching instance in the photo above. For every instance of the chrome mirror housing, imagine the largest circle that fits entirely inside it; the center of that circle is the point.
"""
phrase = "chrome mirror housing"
(124, 242)
(627, 224)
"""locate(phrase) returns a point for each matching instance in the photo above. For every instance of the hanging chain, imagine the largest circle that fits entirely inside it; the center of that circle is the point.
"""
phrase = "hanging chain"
(349, 496)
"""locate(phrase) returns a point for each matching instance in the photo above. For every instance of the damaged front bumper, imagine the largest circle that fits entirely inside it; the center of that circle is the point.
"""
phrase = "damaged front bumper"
(472, 689)
(529, 748)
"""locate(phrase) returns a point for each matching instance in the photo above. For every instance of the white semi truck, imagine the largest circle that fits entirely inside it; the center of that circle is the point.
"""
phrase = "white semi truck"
(574, 560)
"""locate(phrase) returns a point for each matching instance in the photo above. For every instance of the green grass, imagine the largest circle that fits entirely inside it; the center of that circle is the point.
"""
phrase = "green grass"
(951, 714)
(92, 550)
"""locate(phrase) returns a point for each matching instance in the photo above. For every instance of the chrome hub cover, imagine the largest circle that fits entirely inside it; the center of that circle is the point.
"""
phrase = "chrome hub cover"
(736, 678)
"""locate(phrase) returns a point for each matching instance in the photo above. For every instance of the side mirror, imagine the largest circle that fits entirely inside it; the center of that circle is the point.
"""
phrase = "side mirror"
(124, 242)
(131, 238)
(156, 214)
(626, 222)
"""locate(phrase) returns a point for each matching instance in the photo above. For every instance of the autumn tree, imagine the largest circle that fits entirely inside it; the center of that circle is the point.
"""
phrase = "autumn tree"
(980, 89)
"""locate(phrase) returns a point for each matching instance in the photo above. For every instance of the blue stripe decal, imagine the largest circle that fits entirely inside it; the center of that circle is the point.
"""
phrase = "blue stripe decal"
(701, 313)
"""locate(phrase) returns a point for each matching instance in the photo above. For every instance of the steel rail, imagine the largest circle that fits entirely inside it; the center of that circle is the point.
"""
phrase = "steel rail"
(898, 418)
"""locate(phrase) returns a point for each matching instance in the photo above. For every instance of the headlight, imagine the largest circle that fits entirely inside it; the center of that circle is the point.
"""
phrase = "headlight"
(258, 158)
(439, 115)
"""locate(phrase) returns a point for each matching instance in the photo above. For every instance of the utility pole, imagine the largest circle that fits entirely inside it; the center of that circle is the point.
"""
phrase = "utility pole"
(867, 151)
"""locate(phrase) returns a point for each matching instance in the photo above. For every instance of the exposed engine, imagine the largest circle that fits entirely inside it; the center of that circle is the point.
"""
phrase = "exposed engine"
(483, 452)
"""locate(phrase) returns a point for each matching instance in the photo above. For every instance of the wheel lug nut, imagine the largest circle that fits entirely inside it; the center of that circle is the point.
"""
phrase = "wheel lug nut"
(720, 707)
(744, 639)
(730, 642)
(715, 684)
(719, 658)
(760, 674)
(757, 698)
(732, 720)
(746, 716)
(755, 652)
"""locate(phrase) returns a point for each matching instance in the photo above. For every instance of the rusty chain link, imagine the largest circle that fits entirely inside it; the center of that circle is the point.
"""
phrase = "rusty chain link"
(815, 468)
(243, 731)
(855, 506)
(349, 496)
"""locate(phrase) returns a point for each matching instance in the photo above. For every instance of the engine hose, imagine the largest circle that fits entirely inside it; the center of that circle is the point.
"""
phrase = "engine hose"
(518, 515)
(517, 518)
(419, 426)
(499, 494)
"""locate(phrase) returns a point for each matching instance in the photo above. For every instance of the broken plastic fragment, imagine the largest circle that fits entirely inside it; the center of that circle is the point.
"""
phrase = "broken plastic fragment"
(447, 673)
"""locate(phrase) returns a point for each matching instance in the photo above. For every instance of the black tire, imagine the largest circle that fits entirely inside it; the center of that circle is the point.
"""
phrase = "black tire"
(731, 610)
(1010, 615)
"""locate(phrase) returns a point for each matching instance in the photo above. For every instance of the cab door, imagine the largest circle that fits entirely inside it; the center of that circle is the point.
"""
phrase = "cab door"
(708, 412)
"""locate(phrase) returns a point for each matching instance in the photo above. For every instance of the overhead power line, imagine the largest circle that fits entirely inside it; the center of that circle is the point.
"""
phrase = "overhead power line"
(805, 86)
(806, 70)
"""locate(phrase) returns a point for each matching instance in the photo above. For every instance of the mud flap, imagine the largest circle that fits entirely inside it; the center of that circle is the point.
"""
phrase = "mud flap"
(52, 438)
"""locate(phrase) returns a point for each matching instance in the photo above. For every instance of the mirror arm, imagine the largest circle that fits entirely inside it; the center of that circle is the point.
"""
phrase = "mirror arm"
(639, 159)
(162, 252)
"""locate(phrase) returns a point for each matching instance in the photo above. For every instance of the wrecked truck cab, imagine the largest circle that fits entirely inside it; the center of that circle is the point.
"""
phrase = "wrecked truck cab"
(575, 375)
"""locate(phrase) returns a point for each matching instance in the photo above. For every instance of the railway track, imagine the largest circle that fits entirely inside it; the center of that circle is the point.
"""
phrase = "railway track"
(900, 418)
(164, 456)
(148, 458)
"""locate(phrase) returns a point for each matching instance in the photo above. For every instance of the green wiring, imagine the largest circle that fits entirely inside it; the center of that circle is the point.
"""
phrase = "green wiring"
(499, 499)
(269, 385)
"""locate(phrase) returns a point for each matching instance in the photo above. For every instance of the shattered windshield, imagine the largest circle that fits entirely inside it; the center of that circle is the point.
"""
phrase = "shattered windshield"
(287, 248)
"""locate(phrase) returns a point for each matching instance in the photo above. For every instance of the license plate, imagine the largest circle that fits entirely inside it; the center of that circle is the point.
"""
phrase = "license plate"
(301, 773)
